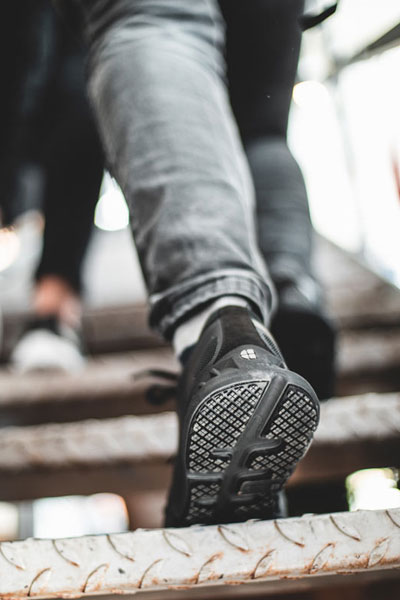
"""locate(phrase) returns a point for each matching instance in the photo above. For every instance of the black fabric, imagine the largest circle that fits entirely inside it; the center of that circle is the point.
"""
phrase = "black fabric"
(262, 50)
(308, 21)
(238, 329)
(49, 322)
(54, 132)
(263, 45)
(19, 51)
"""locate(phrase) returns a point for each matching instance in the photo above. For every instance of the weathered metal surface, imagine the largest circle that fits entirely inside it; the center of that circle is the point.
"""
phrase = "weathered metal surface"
(374, 351)
(373, 417)
(370, 416)
(356, 296)
(354, 433)
(128, 453)
(123, 439)
(368, 360)
(199, 557)
(108, 387)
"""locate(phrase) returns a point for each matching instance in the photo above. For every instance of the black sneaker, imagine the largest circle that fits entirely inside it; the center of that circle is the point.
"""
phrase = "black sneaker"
(245, 422)
(305, 334)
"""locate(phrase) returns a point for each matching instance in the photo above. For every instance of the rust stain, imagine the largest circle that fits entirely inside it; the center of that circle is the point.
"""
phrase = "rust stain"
(192, 580)
(36, 579)
(321, 558)
(67, 558)
(344, 572)
(395, 518)
(119, 550)
(180, 587)
(12, 596)
(377, 554)
(345, 528)
(176, 542)
(10, 558)
(263, 565)
(208, 561)
(146, 571)
(98, 573)
(287, 536)
(233, 537)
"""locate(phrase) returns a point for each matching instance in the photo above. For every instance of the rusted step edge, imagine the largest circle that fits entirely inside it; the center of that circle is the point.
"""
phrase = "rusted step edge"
(110, 386)
(370, 417)
(306, 548)
(128, 454)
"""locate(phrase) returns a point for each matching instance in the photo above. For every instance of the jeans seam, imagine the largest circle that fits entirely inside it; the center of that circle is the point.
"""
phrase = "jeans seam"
(169, 309)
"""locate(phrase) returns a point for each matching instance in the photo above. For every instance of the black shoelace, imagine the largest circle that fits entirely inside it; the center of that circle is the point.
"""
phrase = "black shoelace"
(158, 394)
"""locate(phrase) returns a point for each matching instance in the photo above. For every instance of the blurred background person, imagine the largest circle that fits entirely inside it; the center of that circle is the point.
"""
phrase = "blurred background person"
(50, 125)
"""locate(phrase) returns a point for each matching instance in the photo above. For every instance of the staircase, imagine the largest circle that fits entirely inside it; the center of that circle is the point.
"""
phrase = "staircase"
(82, 434)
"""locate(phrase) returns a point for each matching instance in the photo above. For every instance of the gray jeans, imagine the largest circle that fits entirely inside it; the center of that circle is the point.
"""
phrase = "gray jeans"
(156, 79)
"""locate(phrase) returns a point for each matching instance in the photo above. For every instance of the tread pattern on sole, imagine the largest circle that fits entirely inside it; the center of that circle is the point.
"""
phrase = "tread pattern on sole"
(218, 425)
(294, 422)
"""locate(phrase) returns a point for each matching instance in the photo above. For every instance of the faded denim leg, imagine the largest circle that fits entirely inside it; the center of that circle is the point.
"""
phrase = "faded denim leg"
(156, 79)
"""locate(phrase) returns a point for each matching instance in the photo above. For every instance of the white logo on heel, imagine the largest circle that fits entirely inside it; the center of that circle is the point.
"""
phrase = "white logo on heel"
(248, 354)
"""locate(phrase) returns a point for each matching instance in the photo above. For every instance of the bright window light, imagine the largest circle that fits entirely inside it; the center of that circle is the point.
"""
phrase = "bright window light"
(310, 94)
(373, 489)
(111, 212)
(8, 521)
(79, 515)
(9, 247)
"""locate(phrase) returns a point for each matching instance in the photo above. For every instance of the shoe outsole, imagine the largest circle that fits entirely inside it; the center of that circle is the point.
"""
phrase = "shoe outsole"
(243, 443)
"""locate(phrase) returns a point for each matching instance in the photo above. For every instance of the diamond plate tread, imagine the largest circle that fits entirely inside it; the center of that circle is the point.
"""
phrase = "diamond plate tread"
(272, 554)
(217, 427)
(219, 423)
(294, 423)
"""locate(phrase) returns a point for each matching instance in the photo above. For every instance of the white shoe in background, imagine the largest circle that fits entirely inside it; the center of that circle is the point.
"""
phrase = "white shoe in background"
(48, 345)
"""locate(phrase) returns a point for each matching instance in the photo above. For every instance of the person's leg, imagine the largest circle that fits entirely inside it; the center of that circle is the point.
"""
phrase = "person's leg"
(263, 43)
(24, 75)
(62, 139)
(72, 162)
(156, 82)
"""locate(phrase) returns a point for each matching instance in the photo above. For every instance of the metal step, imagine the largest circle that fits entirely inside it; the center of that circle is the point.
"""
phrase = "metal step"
(109, 386)
(134, 452)
(267, 556)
